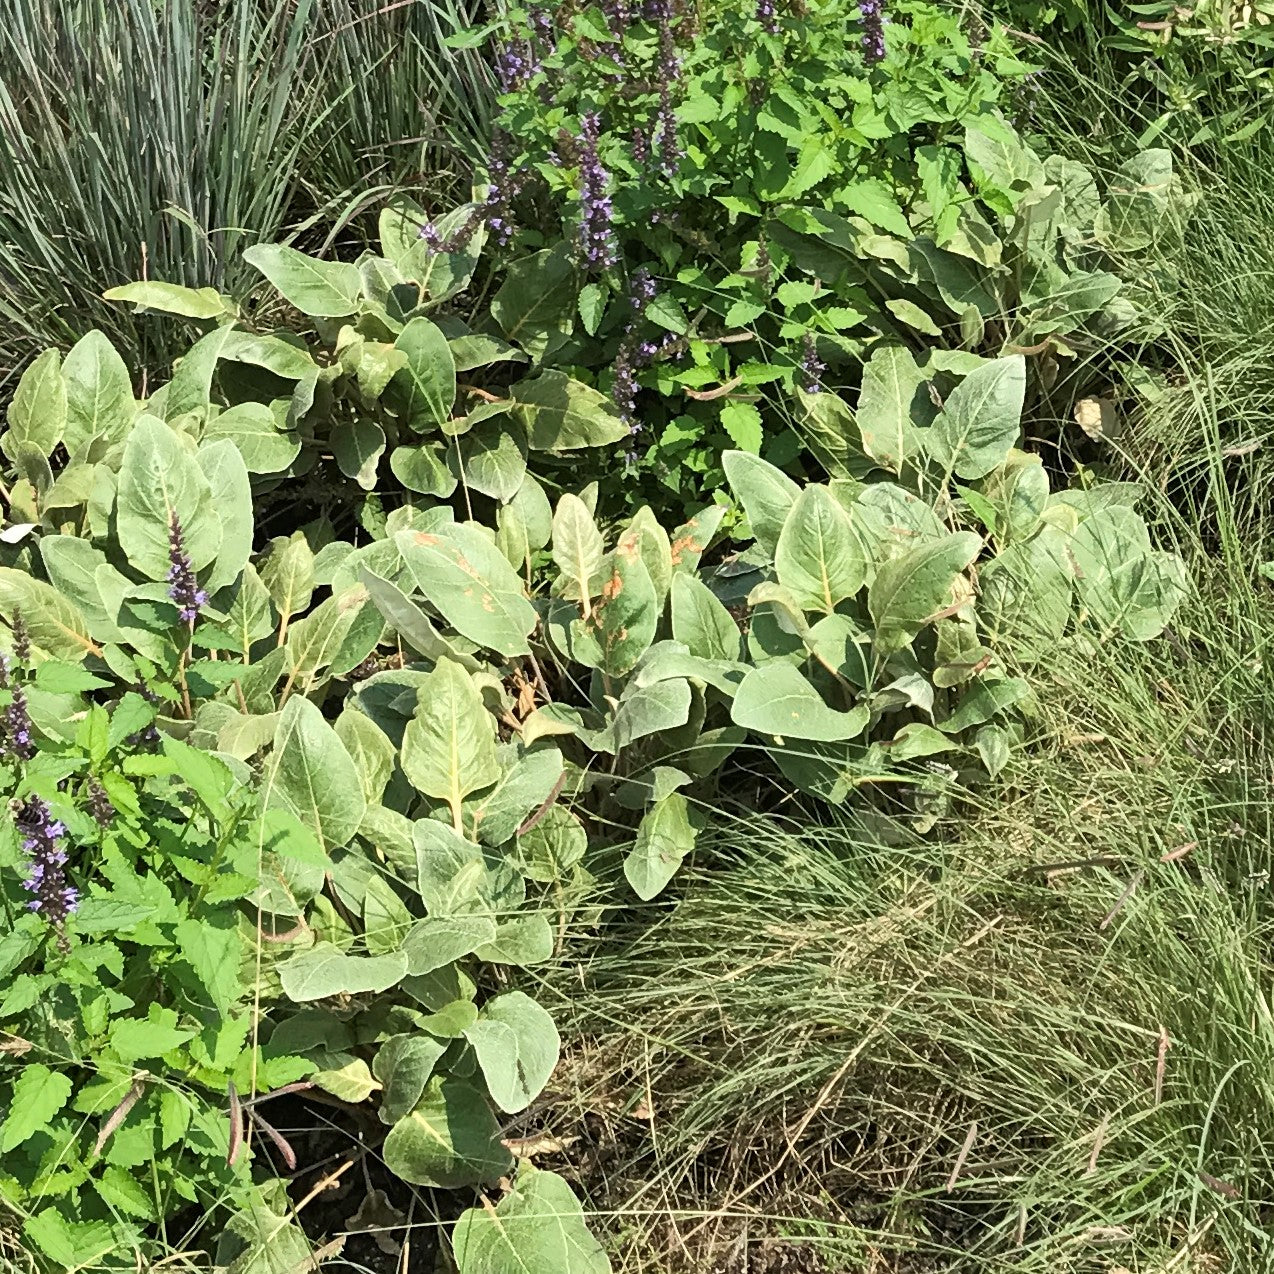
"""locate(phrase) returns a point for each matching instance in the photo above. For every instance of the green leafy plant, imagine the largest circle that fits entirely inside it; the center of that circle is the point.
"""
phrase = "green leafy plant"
(129, 862)
(756, 205)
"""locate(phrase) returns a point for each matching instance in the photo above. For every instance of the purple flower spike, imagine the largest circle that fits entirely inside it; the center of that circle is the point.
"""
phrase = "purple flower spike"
(666, 125)
(21, 640)
(51, 894)
(15, 721)
(99, 804)
(183, 586)
(596, 236)
(767, 16)
(812, 367)
(872, 15)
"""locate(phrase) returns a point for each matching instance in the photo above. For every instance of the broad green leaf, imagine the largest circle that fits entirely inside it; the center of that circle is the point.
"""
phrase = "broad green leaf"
(282, 357)
(490, 458)
(411, 623)
(517, 1047)
(231, 494)
(325, 970)
(250, 616)
(1125, 586)
(692, 538)
(423, 470)
(321, 289)
(886, 424)
(1026, 595)
(766, 494)
(255, 429)
(984, 699)
(562, 414)
(57, 626)
(578, 551)
(137, 1039)
(449, 746)
(826, 426)
(643, 711)
(981, 419)
(37, 1094)
(916, 740)
(623, 620)
(522, 789)
(37, 412)
(1000, 158)
(71, 565)
(525, 524)
(538, 1228)
(818, 559)
(160, 480)
(471, 583)
(99, 393)
(549, 850)
(650, 541)
(214, 951)
(312, 775)
(912, 589)
(191, 385)
(371, 750)
(776, 699)
(75, 1245)
(666, 835)
(701, 621)
(437, 941)
(425, 390)
(172, 298)
(287, 571)
(535, 304)
(890, 520)
(316, 641)
(1018, 492)
(521, 941)
(404, 1065)
(357, 446)
(450, 1139)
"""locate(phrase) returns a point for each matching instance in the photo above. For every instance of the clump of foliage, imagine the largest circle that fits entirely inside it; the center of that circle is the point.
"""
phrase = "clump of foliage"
(754, 197)
(438, 722)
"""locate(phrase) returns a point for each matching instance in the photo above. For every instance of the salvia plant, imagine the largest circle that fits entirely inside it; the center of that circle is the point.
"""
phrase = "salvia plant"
(749, 192)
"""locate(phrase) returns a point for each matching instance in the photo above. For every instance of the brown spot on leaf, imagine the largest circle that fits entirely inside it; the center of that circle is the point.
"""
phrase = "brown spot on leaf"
(683, 544)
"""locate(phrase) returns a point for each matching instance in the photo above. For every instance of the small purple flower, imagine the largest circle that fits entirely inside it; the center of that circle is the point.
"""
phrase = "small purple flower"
(811, 366)
(17, 724)
(767, 16)
(657, 10)
(515, 65)
(624, 390)
(52, 895)
(642, 290)
(541, 21)
(183, 586)
(872, 15)
(639, 140)
(596, 235)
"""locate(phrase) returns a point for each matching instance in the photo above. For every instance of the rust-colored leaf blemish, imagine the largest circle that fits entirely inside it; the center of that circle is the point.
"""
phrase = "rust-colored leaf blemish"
(613, 587)
(684, 544)
(426, 540)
